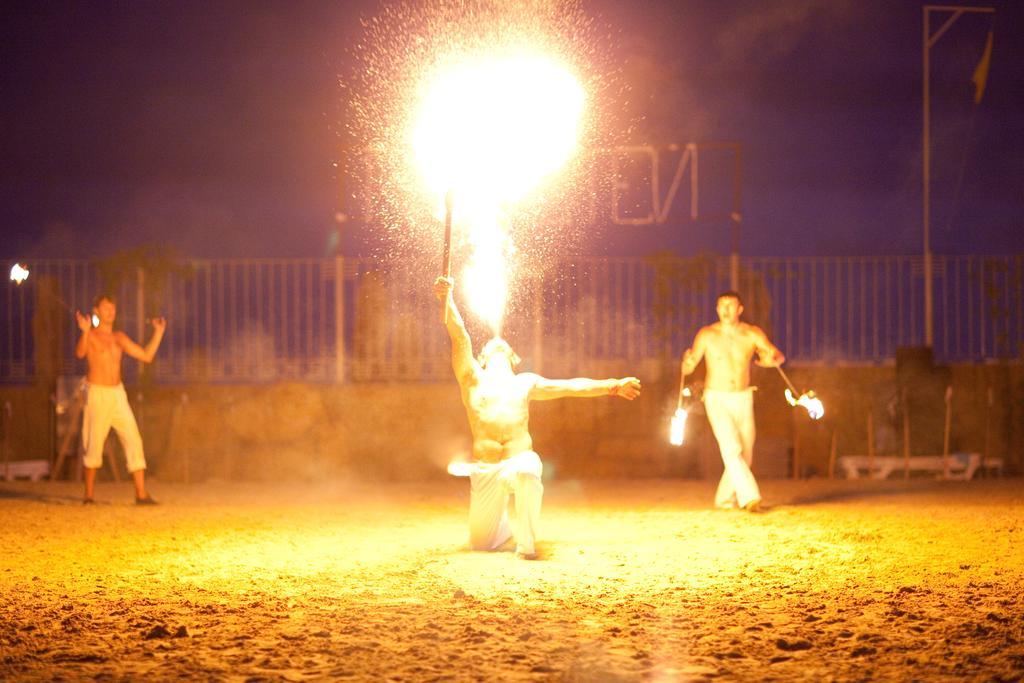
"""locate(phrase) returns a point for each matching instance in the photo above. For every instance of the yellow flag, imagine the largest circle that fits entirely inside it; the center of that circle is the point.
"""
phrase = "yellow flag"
(981, 71)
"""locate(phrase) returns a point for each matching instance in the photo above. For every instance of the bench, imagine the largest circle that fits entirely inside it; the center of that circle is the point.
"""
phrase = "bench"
(961, 465)
(33, 470)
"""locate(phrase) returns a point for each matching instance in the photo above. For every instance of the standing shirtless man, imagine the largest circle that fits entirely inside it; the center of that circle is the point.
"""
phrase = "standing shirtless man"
(497, 403)
(107, 403)
(727, 348)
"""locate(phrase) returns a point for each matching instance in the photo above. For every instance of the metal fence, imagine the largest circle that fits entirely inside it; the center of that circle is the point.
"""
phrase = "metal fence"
(258, 320)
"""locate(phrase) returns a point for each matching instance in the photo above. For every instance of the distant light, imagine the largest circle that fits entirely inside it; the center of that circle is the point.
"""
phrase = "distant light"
(19, 273)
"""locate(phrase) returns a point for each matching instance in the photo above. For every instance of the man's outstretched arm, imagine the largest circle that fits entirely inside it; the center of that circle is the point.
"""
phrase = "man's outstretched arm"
(545, 389)
(462, 347)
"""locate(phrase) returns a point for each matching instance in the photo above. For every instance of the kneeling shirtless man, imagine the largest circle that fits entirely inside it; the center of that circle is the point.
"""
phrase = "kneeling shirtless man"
(497, 401)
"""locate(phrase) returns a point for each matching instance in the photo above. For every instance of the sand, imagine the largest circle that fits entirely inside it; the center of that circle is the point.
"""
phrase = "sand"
(638, 580)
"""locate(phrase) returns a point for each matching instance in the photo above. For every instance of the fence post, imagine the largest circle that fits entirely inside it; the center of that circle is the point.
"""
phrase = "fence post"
(339, 319)
(140, 311)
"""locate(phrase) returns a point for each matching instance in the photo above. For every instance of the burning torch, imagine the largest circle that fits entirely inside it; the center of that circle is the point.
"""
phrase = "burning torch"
(677, 428)
(807, 400)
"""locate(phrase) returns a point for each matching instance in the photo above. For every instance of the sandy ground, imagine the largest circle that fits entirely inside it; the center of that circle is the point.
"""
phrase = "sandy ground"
(638, 581)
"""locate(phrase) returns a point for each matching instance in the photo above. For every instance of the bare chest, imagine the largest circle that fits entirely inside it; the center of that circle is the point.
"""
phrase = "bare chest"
(105, 347)
(734, 349)
(498, 401)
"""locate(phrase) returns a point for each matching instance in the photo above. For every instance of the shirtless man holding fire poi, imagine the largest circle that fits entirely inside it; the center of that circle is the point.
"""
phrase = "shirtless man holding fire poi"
(497, 401)
(106, 402)
(727, 348)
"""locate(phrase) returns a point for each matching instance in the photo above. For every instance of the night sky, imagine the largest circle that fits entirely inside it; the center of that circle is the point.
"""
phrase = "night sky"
(217, 127)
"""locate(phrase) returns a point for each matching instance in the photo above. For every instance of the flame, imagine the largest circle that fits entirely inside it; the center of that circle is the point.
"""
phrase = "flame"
(493, 128)
(812, 404)
(19, 273)
(490, 130)
(487, 274)
(677, 428)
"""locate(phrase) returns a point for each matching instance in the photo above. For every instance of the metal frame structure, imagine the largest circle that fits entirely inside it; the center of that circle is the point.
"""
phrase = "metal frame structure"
(260, 320)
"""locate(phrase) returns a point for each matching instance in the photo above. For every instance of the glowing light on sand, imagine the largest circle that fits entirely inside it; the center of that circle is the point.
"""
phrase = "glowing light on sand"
(19, 273)
(808, 401)
(460, 467)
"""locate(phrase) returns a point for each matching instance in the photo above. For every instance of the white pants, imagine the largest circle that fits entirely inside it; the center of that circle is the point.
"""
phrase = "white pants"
(731, 414)
(107, 407)
(490, 486)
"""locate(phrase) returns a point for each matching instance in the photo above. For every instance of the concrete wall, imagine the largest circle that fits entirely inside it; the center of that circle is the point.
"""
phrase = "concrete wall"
(410, 431)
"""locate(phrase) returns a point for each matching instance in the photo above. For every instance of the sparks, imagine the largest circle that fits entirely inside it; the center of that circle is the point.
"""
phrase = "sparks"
(494, 103)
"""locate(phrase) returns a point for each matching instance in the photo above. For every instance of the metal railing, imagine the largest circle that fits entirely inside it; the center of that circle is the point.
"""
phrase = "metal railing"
(257, 320)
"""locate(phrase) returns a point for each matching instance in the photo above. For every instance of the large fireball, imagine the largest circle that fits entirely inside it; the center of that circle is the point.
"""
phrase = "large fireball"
(491, 129)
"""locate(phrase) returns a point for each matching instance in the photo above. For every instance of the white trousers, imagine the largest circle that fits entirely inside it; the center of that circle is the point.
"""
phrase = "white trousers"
(731, 414)
(107, 407)
(491, 484)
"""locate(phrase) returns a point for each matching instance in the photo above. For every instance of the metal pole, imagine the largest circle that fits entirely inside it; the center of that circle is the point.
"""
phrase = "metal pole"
(339, 319)
(927, 40)
(140, 313)
(736, 217)
(926, 179)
